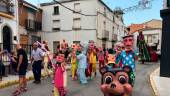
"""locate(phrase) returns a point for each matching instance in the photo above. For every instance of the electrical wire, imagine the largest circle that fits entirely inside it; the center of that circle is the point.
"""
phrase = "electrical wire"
(72, 9)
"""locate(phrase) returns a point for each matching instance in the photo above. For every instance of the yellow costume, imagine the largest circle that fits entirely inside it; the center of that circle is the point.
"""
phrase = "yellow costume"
(93, 61)
(73, 67)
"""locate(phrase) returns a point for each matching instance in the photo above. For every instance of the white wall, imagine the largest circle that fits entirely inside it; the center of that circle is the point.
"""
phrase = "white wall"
(148, 32)
(83, 36)
(100, 23)
(89, 24)
(12, 23)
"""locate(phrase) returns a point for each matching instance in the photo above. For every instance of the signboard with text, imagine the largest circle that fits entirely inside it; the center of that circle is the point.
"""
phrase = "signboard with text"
(23, 39)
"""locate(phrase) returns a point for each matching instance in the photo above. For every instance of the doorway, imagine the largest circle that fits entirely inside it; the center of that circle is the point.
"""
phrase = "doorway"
(7, 41)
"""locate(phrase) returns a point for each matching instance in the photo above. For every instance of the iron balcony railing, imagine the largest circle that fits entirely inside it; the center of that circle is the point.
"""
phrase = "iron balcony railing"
(105, 35)
(33, 25)
(7, 9)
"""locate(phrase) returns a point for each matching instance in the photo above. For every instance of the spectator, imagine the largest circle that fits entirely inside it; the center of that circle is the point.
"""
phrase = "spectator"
(22, 62)
(5, 62)
(36, 59)
(1, 65)
(14, 61)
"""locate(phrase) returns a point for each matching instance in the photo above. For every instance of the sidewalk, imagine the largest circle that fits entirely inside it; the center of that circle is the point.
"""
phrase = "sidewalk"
(160, 85)
(13, 79)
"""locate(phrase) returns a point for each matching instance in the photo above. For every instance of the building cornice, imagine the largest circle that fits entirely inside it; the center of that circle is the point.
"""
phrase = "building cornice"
(6, 15)
(53, 3)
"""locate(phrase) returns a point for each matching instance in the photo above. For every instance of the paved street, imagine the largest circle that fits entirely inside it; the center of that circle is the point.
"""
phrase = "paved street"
(142, 87)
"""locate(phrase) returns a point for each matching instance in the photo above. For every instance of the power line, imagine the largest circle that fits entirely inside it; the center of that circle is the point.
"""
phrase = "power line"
(72, 9)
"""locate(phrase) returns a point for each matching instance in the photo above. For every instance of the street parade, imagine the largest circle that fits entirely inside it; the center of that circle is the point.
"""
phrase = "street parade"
(84, 47)
(115, 65)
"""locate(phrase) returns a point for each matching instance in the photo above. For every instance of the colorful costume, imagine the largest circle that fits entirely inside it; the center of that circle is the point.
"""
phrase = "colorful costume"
(73, 67)
(143, 49)
(82, 67)
(128, 56)
(115, 82)
(60, 80)
(101, 59)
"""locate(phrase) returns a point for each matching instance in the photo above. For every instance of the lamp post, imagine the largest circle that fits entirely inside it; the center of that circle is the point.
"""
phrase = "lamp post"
(165, 48)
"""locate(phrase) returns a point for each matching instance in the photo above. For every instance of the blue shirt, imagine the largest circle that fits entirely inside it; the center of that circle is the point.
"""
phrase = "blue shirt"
(82, 61)
(128, 59)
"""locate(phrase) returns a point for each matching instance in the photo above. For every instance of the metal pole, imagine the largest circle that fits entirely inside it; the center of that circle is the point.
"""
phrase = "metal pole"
(165, 48)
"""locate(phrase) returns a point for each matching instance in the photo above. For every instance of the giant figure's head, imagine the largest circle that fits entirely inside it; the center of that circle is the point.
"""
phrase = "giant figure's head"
(128, 42)
(116, 82)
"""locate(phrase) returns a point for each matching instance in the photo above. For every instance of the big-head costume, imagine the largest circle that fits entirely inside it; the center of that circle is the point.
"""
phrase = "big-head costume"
(116, 82)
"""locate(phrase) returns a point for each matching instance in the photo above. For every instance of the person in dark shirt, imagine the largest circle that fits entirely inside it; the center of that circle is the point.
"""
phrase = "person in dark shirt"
(22, 62)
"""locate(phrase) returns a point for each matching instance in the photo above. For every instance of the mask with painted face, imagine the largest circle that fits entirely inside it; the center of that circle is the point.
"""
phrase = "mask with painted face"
(116, 82)
(128, 42)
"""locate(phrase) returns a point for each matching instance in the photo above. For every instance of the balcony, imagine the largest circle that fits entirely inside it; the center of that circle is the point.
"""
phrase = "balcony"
(7, 11)
(114, 37)
(105, 35)
(32, 25)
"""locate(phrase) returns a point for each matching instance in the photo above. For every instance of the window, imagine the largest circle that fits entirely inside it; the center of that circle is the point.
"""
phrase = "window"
(104, 24)
(77, 7)
(56, 25)
(104, 11)
(56, 10)
(77, 23)
(113, 19)
(76, 42)
(149, 38)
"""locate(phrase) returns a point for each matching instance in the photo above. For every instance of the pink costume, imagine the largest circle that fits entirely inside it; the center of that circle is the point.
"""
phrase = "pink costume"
(60, 78)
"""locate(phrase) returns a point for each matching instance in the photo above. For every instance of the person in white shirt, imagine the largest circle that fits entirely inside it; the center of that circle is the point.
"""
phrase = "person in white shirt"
(36, 60)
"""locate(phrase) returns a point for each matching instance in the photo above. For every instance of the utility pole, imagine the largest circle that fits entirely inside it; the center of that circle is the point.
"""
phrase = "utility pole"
(165, 48)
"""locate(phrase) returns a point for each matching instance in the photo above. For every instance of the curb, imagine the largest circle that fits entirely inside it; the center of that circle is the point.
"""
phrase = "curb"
(153, 84)
(14, 82)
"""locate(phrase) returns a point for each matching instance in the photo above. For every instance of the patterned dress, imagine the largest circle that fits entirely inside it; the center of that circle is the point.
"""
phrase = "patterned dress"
(128, 59)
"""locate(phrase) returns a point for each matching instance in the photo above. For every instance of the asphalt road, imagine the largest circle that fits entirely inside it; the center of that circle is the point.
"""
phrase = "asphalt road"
(142, 86)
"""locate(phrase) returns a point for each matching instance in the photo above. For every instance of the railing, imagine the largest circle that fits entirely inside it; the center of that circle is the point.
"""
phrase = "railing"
(6, 58)
(33, 25)
(7, 9)
(105, 35)
(26, 47)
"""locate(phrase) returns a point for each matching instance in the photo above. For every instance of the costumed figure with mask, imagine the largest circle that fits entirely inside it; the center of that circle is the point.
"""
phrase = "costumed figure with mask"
(92, 57)
(143, 49)
(82, 65)
(129, 56)
(73, 62)
(60, 80)
(116, 81)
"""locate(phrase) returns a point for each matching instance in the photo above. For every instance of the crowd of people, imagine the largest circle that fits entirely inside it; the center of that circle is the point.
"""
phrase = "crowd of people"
(85, 59)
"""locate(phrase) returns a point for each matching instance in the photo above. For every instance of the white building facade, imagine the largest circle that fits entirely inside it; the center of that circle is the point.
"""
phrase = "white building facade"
(95, 22)
(8, 24)
(166, 4)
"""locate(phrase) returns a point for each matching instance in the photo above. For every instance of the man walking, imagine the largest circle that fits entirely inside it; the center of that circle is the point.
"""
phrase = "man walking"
(36, 59)
(22, 62)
